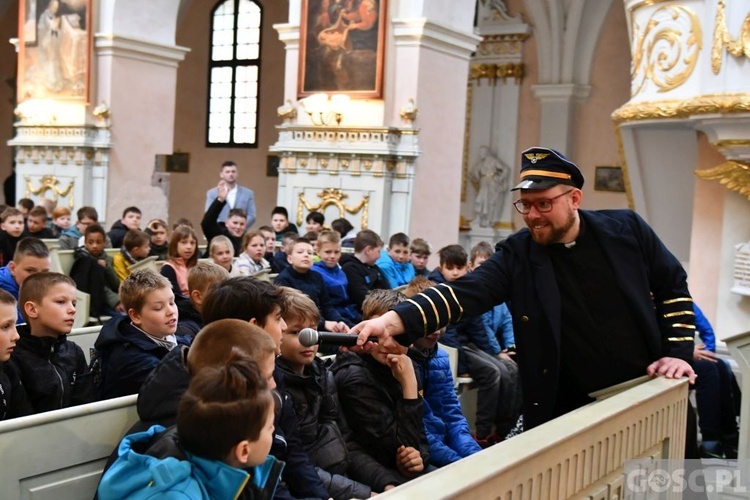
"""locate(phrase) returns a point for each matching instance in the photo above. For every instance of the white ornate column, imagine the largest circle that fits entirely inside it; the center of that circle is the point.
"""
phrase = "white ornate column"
(691, 72)
(492, 120)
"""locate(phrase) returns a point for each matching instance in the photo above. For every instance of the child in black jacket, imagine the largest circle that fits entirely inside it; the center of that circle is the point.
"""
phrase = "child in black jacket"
(13, 400)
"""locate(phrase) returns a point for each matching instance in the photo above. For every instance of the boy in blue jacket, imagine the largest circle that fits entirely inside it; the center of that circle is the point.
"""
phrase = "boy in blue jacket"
(328, 248)
(220, 448)
(498, 384)
(446, 427)
(394, 261)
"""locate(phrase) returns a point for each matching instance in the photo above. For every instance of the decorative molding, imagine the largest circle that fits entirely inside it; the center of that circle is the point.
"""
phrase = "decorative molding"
(734, 175)
(421, 32)
(61, 136)
(491, 72)
(723, 39)
(502, 45)
(675, 108)
(50, 183)
(666, 51)
(335, 197)
(467, 139)
(288, 35)
(107, 44)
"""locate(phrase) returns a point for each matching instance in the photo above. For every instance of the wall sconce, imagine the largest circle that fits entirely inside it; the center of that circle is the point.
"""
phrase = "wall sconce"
(324, 109)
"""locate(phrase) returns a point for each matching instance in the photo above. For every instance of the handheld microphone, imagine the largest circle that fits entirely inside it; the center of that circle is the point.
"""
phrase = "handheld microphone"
(309, 337)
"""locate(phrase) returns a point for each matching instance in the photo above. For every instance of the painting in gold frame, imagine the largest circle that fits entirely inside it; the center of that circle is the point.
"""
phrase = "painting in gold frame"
(54, 49)
(342, 43)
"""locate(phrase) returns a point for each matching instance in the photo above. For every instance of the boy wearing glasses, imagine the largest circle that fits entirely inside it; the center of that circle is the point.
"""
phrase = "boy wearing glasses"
(596, 297)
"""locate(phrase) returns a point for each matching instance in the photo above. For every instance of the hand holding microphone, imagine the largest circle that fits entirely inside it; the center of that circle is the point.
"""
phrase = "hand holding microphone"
(309, 337)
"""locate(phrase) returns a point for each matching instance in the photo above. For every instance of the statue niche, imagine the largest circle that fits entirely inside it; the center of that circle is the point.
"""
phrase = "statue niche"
(490, 178)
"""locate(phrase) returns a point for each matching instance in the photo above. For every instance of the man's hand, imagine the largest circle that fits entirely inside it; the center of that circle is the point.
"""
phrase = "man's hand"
(222, 191)
(507, 356)
(382, 327)
(700, 352)
(409, 461)
(671, 368)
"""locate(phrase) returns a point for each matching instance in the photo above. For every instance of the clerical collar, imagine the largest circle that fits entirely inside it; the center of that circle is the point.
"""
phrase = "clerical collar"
(581, 233)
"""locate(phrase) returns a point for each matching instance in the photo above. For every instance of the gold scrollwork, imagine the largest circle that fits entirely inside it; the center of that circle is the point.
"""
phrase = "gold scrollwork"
(663, 53)
(50, 183)
(722, 39)
(335, 197)
(733, 174)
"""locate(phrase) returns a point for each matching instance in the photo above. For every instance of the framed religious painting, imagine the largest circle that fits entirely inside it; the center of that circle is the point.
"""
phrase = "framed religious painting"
(342, 43)
(54, 49)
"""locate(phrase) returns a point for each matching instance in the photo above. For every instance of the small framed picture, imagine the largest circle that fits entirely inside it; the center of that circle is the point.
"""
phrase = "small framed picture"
(272, 165)
(609, 179)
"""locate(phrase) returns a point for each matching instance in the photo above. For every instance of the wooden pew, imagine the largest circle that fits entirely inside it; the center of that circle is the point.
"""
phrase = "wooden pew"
(60, 454)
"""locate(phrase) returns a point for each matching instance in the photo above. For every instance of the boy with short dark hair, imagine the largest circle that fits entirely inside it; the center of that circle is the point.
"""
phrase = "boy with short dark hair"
(219, 448)
(36, 224)
(325, 435)
(496, 374)
(259, 303)
(11, 231)
(298, 275)
(130, 346)
(280, 260)
(394, 261)
(71, 237)
(270, 238)
(93, 274)
(201, 279)
(130, 220)
(419, 254)
(361, 271)
(280, 223)
(24, 206)
(380, 395)
(53, 370)
(135, 247)
(31, 257)
(233, 227)
(314, 222)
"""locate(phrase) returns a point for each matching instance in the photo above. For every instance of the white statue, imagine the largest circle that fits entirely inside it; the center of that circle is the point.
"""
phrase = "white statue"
(490, 177)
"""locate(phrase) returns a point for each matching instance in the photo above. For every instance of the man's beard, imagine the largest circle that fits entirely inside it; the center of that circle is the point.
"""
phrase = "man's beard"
(557, 234)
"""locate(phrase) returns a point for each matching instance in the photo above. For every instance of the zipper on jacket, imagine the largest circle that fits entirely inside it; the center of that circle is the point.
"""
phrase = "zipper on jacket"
(59, 377)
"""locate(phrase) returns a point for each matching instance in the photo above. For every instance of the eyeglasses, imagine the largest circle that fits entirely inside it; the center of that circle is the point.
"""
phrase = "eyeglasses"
(542, 206)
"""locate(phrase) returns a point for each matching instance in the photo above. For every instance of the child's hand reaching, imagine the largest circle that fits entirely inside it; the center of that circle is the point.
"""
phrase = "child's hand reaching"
(102, 262)
(409, 461)
(403, 371)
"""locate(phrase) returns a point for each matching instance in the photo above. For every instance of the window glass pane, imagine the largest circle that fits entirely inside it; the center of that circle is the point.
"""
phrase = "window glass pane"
(248, 30)
(222, 38)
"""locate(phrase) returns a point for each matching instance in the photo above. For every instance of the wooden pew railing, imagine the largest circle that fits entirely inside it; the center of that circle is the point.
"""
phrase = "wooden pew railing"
(579, 455)
(60, 454)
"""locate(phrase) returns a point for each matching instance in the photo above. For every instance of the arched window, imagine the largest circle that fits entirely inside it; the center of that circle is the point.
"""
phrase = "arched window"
(234, 70)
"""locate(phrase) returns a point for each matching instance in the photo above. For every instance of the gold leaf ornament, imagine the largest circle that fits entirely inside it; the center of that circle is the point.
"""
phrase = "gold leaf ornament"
(733, 174)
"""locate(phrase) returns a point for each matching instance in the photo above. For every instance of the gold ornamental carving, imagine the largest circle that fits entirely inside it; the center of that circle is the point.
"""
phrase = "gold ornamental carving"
(723, 39)
(502, 45)
(335, 197)
(493, 72)
(50, 183)
(674, 108)
(734, 175)
(666, 50)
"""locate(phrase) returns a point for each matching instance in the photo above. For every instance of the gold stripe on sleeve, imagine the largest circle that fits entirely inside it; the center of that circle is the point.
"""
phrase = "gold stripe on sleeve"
(680, 339)
(424, 318)
(679, 313)
(679, 299)
(434, 309)
(447, 307)
(683, 325)
(453, 294)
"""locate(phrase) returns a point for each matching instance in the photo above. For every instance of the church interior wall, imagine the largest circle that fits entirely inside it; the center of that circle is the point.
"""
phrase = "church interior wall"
(706, 238)
(8, 61)
(595, 140)
(192, 108)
